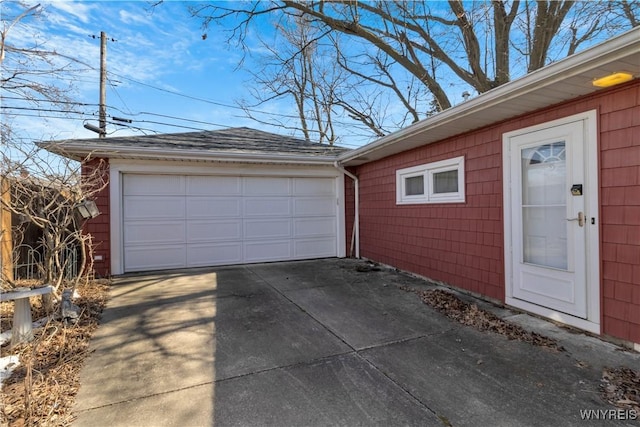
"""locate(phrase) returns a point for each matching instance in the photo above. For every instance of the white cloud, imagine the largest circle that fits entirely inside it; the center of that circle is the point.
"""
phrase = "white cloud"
(82, 11)
(127, 17)
(162, 48)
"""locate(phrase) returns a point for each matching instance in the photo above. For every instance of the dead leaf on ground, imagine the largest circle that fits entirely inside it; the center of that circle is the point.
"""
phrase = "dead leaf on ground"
(471, 315)
(621, 387)
(53, 361)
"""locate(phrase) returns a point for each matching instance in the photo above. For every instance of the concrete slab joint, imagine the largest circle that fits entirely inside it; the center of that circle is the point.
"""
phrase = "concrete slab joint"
(321, 343)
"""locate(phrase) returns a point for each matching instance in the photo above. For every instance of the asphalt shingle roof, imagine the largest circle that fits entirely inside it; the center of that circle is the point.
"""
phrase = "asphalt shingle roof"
(232, 140)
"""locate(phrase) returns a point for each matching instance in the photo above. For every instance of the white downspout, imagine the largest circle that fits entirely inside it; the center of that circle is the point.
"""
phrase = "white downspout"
(355, 235)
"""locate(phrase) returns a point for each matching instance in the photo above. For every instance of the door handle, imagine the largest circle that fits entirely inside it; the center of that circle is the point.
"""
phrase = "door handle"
(580, 219)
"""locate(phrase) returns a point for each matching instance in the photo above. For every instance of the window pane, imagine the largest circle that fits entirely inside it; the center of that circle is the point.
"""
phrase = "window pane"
(545, 236)
(544, 172)
(414, 186)
(544, 224)
(445, 182)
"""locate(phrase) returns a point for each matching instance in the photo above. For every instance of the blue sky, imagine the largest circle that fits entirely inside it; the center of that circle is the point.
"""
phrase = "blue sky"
(162, 74)
(158, 52)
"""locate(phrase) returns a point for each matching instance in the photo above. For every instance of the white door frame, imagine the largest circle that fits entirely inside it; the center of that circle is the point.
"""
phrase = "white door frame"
(591, 186)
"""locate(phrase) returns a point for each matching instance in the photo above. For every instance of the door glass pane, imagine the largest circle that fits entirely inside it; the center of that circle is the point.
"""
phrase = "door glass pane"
(544, 198)
(445, 182)
(414, 186)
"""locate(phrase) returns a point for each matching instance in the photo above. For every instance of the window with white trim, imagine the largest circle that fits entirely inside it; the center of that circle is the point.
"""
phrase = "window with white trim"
(437, 182)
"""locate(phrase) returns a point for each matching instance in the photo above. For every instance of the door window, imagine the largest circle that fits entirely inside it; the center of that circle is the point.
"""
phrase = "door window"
(544, 205)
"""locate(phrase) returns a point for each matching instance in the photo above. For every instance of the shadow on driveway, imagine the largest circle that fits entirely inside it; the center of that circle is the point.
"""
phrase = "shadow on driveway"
(319, 343)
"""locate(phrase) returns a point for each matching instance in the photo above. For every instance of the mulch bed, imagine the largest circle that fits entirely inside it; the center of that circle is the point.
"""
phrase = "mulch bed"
(42, 390)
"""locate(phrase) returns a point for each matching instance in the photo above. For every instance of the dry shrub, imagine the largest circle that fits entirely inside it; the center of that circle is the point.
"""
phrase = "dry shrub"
(42, 390)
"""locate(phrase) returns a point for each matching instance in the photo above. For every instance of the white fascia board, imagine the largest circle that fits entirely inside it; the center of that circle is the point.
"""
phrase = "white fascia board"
(108, 151)
(608, 51)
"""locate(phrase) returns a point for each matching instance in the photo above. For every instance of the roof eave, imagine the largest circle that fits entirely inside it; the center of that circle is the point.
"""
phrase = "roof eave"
(83, 152)
(577, 64)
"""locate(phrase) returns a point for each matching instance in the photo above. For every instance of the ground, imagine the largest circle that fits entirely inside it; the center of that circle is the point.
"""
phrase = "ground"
(619, 386)
(42, 390)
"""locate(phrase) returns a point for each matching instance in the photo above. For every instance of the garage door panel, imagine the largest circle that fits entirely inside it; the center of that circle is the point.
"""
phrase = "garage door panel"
(214, 186)
(153, 207)
(213, 207)
(267, 228)
(315, 206)
(143, 258)
(265, 186)
(154, 232)
(314, 227)
(202, 255)
(208, 231)
(192, 221)
(260, 251)
(267, 206)
(313, 186)
(150, 185)
(314, 248)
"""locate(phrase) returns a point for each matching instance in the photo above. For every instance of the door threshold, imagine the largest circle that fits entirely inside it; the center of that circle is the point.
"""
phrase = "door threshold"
(556, 316)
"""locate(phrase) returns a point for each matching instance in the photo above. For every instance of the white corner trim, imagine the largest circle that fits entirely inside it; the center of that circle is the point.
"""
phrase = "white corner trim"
(341, 238)
(115, 220)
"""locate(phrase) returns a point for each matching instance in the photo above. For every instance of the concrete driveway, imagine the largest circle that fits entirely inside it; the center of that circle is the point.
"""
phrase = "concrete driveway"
(320, 343)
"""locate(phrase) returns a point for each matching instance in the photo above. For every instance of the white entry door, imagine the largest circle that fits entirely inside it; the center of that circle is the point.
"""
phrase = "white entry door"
(550, 216)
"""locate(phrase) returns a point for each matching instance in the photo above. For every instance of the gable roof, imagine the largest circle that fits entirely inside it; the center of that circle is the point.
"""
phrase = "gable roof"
(232, 144)
(561, 81)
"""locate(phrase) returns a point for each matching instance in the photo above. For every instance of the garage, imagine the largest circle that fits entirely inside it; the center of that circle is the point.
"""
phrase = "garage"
(209, 198)
(179, 221)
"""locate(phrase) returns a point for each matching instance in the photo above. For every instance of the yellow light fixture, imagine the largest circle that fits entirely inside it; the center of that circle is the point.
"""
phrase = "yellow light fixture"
(613, 79)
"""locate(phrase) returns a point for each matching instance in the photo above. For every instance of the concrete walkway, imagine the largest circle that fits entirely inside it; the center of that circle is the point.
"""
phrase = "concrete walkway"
(317, 343)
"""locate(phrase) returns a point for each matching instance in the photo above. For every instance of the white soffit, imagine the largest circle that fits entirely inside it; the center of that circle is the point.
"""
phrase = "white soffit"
(561, 81)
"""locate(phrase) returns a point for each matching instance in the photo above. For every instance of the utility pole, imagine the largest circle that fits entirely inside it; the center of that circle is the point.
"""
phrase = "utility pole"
(103, 85)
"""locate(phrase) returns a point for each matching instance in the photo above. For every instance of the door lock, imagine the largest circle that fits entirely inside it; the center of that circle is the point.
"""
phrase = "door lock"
(580, 219)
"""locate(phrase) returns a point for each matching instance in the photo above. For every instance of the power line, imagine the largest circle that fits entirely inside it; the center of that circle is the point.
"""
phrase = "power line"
(221, 104)
(46, 110)
(93, 115)
(88, 116)
(167, 124)
(113, 87)
(183, 119)
(195, 98)
(47, 117)
(82, 104)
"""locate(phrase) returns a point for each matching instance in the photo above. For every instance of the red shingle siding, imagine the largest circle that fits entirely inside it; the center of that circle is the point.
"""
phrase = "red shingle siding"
(456, 243)
(462, 244)
(99, 227)
(620, 212)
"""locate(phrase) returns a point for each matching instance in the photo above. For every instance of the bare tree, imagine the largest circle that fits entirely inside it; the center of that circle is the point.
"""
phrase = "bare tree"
(33, 77)
(48, 197)
(440, 45)
(294, 69)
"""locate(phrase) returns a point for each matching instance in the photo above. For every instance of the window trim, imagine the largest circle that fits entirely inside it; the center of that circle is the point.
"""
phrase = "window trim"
(427, 171)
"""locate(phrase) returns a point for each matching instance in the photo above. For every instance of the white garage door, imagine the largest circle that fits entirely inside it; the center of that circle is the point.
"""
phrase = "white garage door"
(172, 221)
